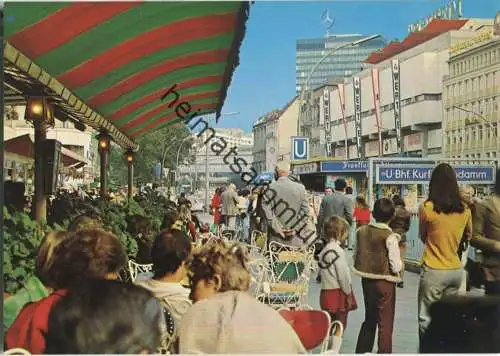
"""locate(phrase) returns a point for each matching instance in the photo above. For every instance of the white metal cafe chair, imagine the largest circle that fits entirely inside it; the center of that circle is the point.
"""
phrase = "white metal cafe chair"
(135, 269)
(16, 351)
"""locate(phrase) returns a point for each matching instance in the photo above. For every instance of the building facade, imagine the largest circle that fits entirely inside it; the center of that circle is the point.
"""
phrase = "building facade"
(315, 118)
(273, 136)
(81, 144)
(343, 63)
(265, 133)
(471, 99)
(367, 120)
(219, 171)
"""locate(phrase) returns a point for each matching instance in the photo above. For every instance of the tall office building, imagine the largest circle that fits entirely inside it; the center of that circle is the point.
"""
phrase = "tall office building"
(471, 96)
(219, 170)
(342, 64)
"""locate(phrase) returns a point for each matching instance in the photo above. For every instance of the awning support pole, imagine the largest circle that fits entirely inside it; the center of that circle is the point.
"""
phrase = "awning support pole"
(104, 142)
(39, 203)
(129, 157)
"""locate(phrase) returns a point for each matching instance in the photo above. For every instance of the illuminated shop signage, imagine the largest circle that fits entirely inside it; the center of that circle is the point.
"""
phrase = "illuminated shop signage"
(452, 11)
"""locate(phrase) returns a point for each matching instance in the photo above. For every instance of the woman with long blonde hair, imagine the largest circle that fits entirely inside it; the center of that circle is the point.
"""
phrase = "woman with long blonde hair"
(37, 286)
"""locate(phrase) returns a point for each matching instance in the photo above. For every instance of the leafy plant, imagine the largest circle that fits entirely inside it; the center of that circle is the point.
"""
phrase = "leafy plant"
(22, 236)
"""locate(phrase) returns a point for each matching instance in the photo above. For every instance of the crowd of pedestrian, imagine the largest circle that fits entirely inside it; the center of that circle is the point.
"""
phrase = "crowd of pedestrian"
(74, 302)
(449, 220)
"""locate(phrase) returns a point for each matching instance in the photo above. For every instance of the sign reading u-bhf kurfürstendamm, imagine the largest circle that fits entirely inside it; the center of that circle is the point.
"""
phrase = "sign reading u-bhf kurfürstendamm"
(396, 92)
(356, 84)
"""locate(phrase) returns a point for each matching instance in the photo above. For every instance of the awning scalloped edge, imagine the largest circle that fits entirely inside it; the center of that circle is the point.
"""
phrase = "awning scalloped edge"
(66, 100)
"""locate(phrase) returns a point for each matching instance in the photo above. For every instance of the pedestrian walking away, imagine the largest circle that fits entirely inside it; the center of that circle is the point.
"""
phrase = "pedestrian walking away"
(378, 262)
(401, 225)
(444, 220)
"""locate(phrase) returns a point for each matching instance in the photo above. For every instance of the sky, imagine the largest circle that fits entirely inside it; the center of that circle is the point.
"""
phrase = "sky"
(265, 78)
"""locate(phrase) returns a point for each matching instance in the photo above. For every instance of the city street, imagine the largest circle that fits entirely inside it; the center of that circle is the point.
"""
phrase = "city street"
(127, 122)
(405, 338)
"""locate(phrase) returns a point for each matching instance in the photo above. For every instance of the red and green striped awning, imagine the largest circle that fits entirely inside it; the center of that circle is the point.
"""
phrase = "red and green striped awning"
(119, 58)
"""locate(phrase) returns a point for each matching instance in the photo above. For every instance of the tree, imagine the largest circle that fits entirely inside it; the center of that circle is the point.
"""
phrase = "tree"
(152, 148)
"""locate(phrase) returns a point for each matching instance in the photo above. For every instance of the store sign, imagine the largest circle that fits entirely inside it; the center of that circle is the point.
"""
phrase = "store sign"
(390, 146)
(326, 109)
(371, 149)
(413, 142)
(305, 168)
(376, 103)
(421, 174)
(300, 148)
(482, 37)
(452, 11)
(396, 92)
(353, 151)
(344, 166)
(328, 147)
(322, 137)
(356, 84)
(326, 114)
(340, 152)
(341, 91)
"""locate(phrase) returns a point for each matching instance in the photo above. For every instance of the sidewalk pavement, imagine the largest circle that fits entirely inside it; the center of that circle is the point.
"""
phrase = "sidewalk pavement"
(405, 336)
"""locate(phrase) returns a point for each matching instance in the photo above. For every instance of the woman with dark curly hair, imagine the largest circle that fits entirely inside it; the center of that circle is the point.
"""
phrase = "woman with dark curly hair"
(444, 220)
(90, 320)
(83, 255)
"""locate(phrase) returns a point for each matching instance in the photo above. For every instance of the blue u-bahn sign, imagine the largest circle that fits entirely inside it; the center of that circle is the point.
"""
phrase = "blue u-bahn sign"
(300, 148)
(344, 166)
(421, 174)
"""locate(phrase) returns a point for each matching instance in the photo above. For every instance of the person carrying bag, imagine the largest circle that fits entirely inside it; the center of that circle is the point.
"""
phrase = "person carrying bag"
(486, 237)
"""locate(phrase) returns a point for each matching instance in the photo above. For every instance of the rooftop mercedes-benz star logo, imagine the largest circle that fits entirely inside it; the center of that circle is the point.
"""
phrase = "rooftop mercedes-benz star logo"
(326, 20)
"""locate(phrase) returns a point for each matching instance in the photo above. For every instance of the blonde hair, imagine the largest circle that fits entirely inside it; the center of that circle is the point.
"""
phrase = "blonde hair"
(336, 228)
(184, 213)
(45, 256)
(229, 263)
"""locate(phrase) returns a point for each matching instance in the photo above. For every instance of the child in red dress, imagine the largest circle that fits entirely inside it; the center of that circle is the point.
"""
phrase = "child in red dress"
(336, 295)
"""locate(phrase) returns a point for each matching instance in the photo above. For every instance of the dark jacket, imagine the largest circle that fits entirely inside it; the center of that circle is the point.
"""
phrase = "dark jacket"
(486, 235)
(337, 204)
(401, 222)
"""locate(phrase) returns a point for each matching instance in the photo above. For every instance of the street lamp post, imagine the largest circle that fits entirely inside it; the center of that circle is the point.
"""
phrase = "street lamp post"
(178, 153)
(207, 185)
(164, 156)
(321, 60)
